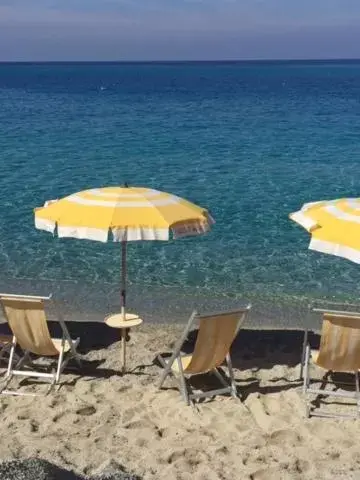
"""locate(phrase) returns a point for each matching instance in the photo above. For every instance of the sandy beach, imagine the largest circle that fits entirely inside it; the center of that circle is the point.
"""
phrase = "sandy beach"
(99, 417)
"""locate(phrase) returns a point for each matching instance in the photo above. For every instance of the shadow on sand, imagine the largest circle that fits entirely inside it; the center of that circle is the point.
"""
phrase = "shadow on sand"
(252, 350)
(93, 335)
(263, 349)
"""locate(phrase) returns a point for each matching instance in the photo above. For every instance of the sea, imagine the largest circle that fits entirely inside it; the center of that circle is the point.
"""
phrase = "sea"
(250, 141)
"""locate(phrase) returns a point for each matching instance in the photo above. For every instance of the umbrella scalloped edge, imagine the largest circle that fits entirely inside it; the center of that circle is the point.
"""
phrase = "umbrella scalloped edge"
(335, 249)
(190, 228)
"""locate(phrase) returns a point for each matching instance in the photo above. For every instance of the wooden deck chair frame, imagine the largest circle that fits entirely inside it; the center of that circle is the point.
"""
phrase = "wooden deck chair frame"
(15, 363)
(177, 356)
(330, 316)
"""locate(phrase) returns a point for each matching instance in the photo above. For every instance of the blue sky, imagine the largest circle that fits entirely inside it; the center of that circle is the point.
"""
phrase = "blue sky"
(178, 29)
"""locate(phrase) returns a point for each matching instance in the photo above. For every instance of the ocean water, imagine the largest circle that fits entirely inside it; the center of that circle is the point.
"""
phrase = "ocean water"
(250, 141)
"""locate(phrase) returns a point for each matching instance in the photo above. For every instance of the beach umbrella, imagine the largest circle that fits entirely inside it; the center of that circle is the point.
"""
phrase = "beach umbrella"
(334, 226)
(122, 214)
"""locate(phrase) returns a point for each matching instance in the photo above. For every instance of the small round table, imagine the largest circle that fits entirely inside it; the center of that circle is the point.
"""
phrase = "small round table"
(117, 320)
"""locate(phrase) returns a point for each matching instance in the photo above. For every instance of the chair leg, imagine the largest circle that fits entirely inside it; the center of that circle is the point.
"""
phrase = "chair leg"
(216, 372)
(73, 352)
(306, 369)
(9, 375)
(183, 386)
(11, 358)
(303, 354)
(357, 391)
(234, 392)
(78, 360)
(306, 380)
(166, 372)
(181, 379)
(59, 365)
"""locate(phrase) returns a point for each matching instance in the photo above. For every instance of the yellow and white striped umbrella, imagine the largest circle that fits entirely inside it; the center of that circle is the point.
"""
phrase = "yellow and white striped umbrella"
(334, 226)
(128, 213)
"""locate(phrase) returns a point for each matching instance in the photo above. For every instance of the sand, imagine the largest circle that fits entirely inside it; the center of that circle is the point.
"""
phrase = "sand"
(100, 417)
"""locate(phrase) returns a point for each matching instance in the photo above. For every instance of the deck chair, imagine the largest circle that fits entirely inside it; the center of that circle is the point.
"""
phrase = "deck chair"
(339, 352)
(27, 320)
(317, 307)
(215, 335)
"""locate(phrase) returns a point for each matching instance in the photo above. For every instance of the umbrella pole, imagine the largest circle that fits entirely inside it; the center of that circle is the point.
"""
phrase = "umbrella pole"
(123, 302)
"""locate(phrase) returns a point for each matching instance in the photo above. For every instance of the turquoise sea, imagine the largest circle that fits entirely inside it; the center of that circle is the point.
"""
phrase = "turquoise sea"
(251, 141)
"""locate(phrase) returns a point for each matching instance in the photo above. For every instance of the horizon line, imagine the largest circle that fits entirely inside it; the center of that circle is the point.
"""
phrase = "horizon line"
(280, 60)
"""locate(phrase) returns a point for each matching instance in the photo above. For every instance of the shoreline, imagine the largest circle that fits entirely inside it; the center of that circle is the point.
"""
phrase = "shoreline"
(80, 302)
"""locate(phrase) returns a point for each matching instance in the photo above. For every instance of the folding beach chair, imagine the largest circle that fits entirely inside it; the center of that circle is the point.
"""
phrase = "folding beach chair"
(27, 320)
(318, 307)
(215, 335)
(339, 352)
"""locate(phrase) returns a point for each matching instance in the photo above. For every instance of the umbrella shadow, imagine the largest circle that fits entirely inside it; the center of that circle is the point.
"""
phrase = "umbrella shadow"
(91, 369)
(93, 335)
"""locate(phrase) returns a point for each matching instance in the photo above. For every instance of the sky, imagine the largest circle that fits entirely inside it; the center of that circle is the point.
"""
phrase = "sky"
(45, 30)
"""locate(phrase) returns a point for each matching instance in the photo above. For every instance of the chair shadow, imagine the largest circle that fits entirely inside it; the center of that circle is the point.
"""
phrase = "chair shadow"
(255, 387)
(93, 335)
(341, 381)
(245, 387)
(88, 371)
(252, 349)
(263, 349)
(255, 350)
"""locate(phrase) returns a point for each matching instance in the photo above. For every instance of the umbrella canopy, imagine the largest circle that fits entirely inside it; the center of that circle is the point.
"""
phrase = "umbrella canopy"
(334, 226)
(127, 213)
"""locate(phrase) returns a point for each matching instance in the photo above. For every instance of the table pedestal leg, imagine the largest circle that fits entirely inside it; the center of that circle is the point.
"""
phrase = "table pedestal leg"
(123, 349)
